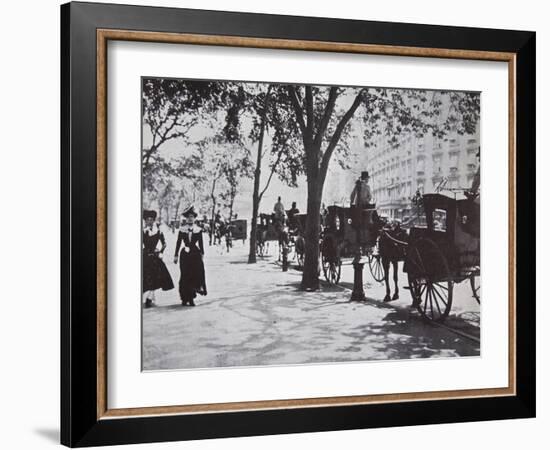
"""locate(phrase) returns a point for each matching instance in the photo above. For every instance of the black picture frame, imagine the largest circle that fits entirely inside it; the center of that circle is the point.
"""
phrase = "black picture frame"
(80, 425)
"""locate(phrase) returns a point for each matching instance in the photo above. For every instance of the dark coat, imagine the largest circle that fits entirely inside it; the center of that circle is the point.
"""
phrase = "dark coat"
(192, 276)
(155, 273)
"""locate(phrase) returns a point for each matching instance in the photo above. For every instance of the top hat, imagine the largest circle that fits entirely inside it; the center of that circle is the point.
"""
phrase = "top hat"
(364, 174)
(147, 213)
(189, 212)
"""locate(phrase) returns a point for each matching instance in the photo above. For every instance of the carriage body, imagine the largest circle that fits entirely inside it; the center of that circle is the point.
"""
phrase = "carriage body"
(238, 229)
(342, 225)
(444, 252)
(349, 232)
(268, 227)
(453, 225)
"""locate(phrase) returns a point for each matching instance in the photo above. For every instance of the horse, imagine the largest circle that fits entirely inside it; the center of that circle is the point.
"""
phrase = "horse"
(219, 232)
(229, 237)
(282, 231)
(296, 238)
(261, 236)
(300, 249)
(392, 242)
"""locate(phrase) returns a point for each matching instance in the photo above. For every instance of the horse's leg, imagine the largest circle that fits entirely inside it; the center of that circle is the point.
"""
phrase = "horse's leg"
(386, 267)
(395, 274)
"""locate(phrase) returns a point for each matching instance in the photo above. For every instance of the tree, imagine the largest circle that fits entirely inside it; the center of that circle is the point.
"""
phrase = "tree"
(252, 104)
(323, 115)
(171, 108)
(321, 128)
(235, 166)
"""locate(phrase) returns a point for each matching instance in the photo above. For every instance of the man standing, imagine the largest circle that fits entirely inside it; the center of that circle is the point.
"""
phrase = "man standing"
(279, 210)
(361, 195)
(360, 199)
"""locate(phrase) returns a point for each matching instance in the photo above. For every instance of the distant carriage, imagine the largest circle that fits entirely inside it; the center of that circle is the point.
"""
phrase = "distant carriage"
(266, 231)
(298, 239)
(293, 238)
(238, 229)
(445, 252)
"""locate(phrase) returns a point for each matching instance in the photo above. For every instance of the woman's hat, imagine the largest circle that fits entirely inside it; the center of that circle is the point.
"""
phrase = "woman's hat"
(148, 213)
(189, 212)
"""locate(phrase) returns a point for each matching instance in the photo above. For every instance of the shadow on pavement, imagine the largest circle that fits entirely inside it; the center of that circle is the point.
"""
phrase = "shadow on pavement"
(404, 336)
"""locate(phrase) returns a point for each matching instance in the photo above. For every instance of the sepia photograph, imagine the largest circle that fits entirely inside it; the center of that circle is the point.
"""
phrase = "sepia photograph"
(292, 224)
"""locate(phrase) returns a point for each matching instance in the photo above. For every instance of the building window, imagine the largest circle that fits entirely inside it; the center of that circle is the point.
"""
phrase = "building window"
(453, 161)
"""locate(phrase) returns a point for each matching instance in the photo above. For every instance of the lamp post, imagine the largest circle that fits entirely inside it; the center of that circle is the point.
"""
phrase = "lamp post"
(358, 294)
(285, 258)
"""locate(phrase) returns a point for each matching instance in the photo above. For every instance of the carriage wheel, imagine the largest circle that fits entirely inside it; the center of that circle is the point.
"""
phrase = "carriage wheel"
(332, 268)
(430, 281)
(475, 285)
(331, 261)
(376, 268)
(375, 264)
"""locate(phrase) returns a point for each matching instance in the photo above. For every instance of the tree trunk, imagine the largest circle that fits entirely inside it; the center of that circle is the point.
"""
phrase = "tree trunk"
(310, 274)
(256, 197)
(213, 198)
(254, 226)
(232, 194)
(148, 154)
(255, 205)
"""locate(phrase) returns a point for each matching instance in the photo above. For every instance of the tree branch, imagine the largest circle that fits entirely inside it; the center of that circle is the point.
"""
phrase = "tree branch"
(273, 167)
(329, 108)
(337, 134)
(297, 110)
(309, 111)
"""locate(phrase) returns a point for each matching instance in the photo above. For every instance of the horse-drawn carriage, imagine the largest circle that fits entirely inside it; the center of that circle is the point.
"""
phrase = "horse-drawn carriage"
(295, 242)
(237, 229)
(287, 233)
(266, 231)
(436, 256)
(443, 253)
(349, 233)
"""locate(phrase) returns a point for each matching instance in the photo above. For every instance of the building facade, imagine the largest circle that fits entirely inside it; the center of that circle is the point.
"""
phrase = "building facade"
(425, 164)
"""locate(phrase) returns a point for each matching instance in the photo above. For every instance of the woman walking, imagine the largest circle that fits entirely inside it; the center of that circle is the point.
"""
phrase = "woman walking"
(192, 278)
(155, 273)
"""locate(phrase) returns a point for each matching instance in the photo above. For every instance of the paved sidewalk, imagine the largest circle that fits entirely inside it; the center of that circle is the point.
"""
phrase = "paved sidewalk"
(255, 314)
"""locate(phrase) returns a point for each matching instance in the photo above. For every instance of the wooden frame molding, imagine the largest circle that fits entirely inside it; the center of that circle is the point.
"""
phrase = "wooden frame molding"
(103, 36)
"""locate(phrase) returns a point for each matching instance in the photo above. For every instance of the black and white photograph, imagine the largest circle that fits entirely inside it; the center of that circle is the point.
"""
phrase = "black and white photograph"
(300, 224)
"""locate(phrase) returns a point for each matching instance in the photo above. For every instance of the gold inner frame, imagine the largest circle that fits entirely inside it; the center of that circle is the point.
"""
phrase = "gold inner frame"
(103, 36)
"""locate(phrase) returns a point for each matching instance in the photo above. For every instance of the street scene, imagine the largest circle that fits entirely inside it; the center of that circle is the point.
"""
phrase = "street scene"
(298, 224)
(240, 323)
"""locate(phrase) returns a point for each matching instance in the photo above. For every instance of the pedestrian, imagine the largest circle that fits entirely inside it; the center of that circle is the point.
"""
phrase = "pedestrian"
(155, 273)
(192, 277)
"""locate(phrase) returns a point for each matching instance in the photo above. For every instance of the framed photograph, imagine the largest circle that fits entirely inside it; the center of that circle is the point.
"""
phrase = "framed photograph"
(277, 224)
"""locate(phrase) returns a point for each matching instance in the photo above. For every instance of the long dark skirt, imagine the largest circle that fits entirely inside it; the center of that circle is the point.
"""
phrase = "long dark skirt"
(192, 278)
(155, 274)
